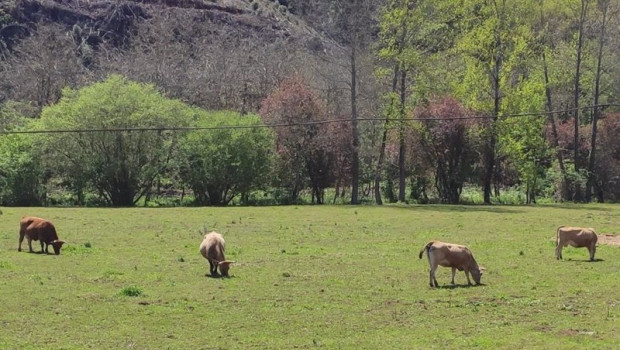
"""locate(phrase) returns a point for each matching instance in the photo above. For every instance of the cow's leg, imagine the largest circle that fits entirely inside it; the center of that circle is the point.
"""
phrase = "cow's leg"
(467, 275)
(43, 250)
(433, 280)
(558, 251)
(21, 239)
(592, 250)
(30, 244)
(453, 273)
(430, 278)
(212, 268)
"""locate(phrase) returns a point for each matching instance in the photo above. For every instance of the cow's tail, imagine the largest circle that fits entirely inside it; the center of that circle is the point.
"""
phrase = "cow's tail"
(557, 236)
(426, 247)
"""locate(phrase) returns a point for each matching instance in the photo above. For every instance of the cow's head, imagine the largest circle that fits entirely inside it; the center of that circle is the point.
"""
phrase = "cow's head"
(476, 273)
(224, 266)
(57, 244)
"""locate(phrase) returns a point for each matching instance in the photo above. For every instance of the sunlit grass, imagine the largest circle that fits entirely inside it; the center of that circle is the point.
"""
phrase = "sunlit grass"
(333, 277)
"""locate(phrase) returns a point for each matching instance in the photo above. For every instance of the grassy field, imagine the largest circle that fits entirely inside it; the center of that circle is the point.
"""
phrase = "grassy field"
(332, 277)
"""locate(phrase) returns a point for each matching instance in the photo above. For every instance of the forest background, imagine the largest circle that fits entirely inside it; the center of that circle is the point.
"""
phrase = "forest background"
(170, 102)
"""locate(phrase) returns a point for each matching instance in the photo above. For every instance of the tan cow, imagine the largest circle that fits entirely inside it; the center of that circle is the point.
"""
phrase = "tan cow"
(212, 248)
(39, 230)
(451, 255)
(576, 237)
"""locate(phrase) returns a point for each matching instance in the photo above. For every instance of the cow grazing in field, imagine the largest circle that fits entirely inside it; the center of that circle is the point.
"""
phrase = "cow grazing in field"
(451, 255)
(39, 230)
(212, 248)
(576, 237)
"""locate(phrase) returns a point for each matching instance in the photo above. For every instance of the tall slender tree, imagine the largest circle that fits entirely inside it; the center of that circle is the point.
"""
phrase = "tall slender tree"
(545, 47)
(604, 10)
(577, 92)
(493, 35)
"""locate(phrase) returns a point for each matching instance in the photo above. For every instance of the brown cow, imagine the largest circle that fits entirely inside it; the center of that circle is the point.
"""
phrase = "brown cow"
(576, 237)
(39, 230)
(212, 248)
(451, 255)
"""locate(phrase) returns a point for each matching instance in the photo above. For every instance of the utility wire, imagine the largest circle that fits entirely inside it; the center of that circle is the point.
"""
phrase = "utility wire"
(282, 125)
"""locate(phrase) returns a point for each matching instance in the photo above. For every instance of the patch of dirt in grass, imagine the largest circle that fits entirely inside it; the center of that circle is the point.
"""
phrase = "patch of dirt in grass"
(573, 332)
(543, 328)
(610, 239)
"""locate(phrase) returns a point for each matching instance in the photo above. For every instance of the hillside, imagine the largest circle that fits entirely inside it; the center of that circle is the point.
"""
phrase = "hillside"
(224, 54)
(115, 21)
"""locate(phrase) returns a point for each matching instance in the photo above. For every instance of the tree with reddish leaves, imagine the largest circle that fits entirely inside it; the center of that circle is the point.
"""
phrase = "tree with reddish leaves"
(607, 166)
(576, 178)
(444, 137)
(302, 142)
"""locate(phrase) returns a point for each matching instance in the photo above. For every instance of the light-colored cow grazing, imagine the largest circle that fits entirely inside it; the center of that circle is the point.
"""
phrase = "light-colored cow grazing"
(212, 248)
(451, 255)
(39, 230)
(576, 237)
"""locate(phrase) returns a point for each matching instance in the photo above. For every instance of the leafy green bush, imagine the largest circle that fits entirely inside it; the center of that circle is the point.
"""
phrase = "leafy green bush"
(21, 173)
(220, 164)
(120, 166)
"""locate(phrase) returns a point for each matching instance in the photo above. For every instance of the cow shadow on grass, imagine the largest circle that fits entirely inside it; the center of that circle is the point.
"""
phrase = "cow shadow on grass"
(218, 276)
(586, 260)
(38, 253)
(457, 286)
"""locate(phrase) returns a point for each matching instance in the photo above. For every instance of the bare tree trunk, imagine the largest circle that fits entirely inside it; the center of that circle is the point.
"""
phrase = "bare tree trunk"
(554, 132)
(597, 110)
(497, 100)
(490, 151)
(402, 173)
(582, 18)
(549, 109)
(381, 159)
(355, 134)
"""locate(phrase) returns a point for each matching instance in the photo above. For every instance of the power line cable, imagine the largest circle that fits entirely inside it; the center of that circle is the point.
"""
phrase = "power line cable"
(281, 125)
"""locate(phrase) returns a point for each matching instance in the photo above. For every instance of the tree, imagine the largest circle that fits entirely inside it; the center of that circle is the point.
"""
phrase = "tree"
(182, 58)
(21, 173)
(42, 65)
(120, 165)
(445, 137)
(577, 88)
(302, 140)
(604, 8)
(607, 168)
(398, 29)
(413, 34)
(22, 177)
(350, 25)
(545, 48)
(223, 162)
(496, 33)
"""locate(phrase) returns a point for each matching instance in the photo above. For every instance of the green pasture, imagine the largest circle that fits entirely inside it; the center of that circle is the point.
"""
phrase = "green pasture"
(305, 277)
